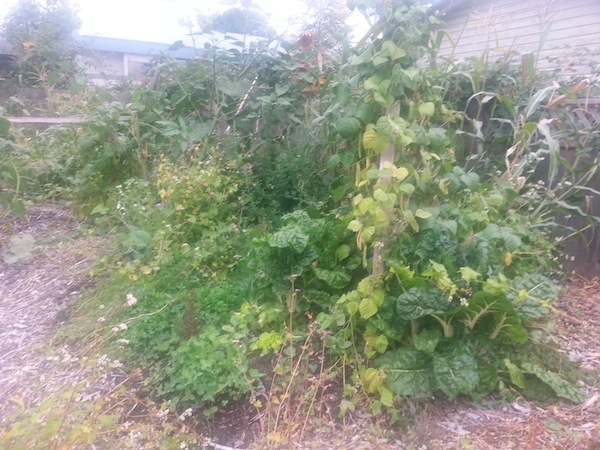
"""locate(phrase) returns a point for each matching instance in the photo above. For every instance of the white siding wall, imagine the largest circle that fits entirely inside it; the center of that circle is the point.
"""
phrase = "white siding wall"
(104, 68)
(516, 26)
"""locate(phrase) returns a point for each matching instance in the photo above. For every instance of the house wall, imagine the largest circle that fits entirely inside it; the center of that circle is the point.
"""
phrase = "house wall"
(519, 26)
(104, 67)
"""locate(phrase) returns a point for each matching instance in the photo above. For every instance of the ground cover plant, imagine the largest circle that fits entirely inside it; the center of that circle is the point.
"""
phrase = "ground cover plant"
(286, 221)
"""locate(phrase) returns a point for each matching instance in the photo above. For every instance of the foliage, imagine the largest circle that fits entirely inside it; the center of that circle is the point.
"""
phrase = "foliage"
(241, 20)
(308, 204)
(42, 38)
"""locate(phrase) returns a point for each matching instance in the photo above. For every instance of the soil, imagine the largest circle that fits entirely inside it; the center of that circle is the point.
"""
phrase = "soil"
(46, 264)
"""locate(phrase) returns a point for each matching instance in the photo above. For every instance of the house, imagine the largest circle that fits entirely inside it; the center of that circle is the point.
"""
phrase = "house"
(562, 34)
(108, 59)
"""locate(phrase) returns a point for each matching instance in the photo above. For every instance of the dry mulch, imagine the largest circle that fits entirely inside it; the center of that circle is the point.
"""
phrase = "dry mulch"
(35, 291)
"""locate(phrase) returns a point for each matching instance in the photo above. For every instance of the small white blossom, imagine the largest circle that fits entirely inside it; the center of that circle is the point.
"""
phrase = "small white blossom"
(120, 327)
(131, 300)
(101, 319)
(464, 302)
(123, 341)
(186, 413)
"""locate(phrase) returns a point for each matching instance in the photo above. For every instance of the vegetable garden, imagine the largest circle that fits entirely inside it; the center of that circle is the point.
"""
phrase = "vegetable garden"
(349, 221)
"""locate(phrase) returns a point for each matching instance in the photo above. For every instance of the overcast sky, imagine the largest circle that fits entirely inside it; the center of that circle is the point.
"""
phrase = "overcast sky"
(158, 20)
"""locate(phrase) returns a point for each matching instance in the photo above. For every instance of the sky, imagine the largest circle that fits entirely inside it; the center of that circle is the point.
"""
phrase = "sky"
(159, 20)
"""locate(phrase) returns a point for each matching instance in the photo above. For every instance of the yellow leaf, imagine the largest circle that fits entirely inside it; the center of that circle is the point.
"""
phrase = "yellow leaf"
(508, 259)
(18, 400)
(274, 437)
(369, 138)
(443, 187)
(386, 397)
(133, 277)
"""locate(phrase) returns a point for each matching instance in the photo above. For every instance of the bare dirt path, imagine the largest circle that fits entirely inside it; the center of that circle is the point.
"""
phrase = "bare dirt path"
(43, 264)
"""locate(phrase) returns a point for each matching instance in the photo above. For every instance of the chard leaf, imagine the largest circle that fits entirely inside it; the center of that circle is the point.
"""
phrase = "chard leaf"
(290, 235)
(427, 340)
(559, 385)
(418, 302)
(408, 371)
(334, 278)
(455, 371)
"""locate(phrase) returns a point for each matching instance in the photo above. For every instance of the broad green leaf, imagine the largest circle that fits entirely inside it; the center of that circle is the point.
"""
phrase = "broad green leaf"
(427, 109)
(400, 173)
(372, 379)
(364, 112)
(407, 188)
(378, 60)
(352, 308)
(386, 397)
(336, 279)
(290, 236)
(410, 219)
(282, 89)
(99, 209)
(427, 340)
(348, 127)
(407, 370)
(354, 225)
(422, 214)
(469, 275)
(366, 205)
(17, 207)
(540, 292)
(418, 302)
(373, 141)
(516, 375)
(367, 308)
(390, 49)
(342, 252)
(455, 371)
(560, 386)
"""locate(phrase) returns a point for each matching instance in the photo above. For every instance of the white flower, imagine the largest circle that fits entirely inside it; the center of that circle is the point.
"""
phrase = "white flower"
(120, 327)
(123, 341)
(131, 300)
(101, 319)
(186, 413)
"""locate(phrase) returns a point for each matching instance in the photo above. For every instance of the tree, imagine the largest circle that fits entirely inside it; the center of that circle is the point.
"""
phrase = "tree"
(326, 21)
(246, 19)
(42, 36)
